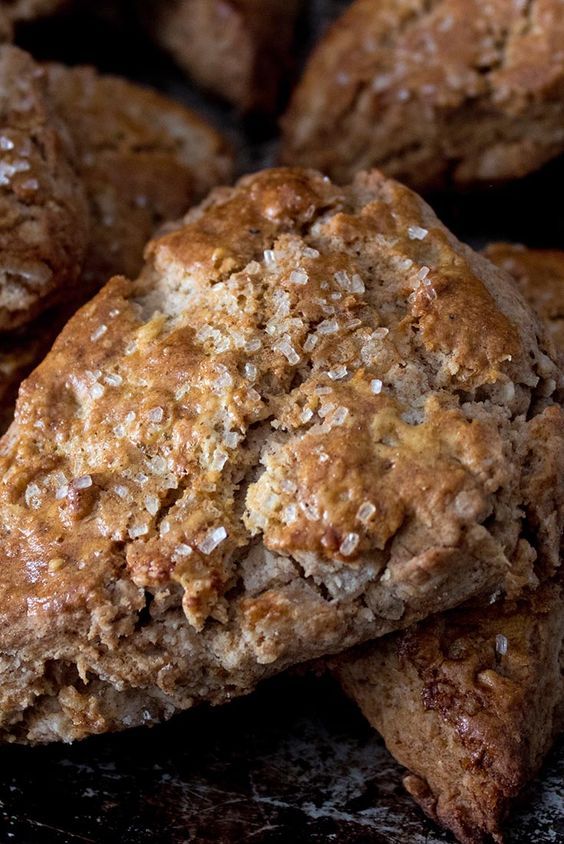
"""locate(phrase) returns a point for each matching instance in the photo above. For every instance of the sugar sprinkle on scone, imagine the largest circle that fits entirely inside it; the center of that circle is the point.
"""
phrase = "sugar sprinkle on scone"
(312, 419)
(238, 49)
(471, 700)
(446, 91)
(44, 214)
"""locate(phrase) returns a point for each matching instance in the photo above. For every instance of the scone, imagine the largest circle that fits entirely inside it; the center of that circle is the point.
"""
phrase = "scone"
(43, 205)
(455, 91)
(316, 417)
(238, 49)
(89, 173)
(143, 158)
(540, 276)
(470, 700)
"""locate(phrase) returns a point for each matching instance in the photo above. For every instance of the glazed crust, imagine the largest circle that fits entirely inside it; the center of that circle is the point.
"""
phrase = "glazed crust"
(44, 214)
(283, 439)
(238, 49)
(472, 724)
(443, 91)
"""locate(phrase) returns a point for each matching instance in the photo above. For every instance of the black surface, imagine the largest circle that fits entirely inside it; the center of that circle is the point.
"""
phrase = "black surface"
(294, 762)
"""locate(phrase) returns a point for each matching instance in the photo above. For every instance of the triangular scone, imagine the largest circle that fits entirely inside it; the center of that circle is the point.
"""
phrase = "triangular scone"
(313, 419)
(448, 91)
(470, 701)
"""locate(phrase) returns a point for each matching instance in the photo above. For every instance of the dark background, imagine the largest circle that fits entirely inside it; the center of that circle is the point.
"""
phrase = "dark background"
(294, 762)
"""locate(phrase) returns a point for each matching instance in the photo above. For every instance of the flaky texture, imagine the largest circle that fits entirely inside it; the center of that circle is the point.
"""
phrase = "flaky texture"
(471, 700)
(43, 207)
(143, 159)
(433, 91)
(238, 49)
(315, 417)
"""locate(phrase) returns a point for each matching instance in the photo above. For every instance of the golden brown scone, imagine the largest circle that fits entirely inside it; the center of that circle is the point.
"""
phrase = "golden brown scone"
(540, 276)
(43, 208)
(143, 158)
(445, 91)
(238, 49)
(469, 702)
(314, 418)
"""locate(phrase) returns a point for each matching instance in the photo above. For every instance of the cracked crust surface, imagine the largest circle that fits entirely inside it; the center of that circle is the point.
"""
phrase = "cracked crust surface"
(433, 91)
(238, 49)
(471, 700)
(43, 208)
(286, 437)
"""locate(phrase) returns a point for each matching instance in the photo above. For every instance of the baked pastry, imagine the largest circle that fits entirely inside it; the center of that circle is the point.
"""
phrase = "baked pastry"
(238, 49)
(43, 207)
(286, 437)
(470, 703)
(450, 91)
(143, 158)
(540, 276)
(471, 700)
(89, 173)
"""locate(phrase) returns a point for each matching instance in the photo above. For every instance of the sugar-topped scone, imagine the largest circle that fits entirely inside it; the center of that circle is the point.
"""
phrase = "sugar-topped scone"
(314, 418)
(144, 159)
(455, 91)
(43, 206)
(238, 49)
(470, 700)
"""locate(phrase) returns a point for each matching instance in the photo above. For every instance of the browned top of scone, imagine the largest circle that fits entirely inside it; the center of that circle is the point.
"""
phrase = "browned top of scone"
(457, 89)
(144, 159)
(320, 372)
(43, 211)
(540, 276)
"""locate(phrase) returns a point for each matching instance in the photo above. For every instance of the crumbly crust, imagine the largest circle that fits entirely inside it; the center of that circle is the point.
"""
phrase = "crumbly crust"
(143, 159)
(433, 91)
(314, 418)
(238, 49)
(43, 209)
(471, 722)
(470, 703)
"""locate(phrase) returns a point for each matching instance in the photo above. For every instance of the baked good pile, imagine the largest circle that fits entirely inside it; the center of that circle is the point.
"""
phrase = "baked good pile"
(287, 418)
